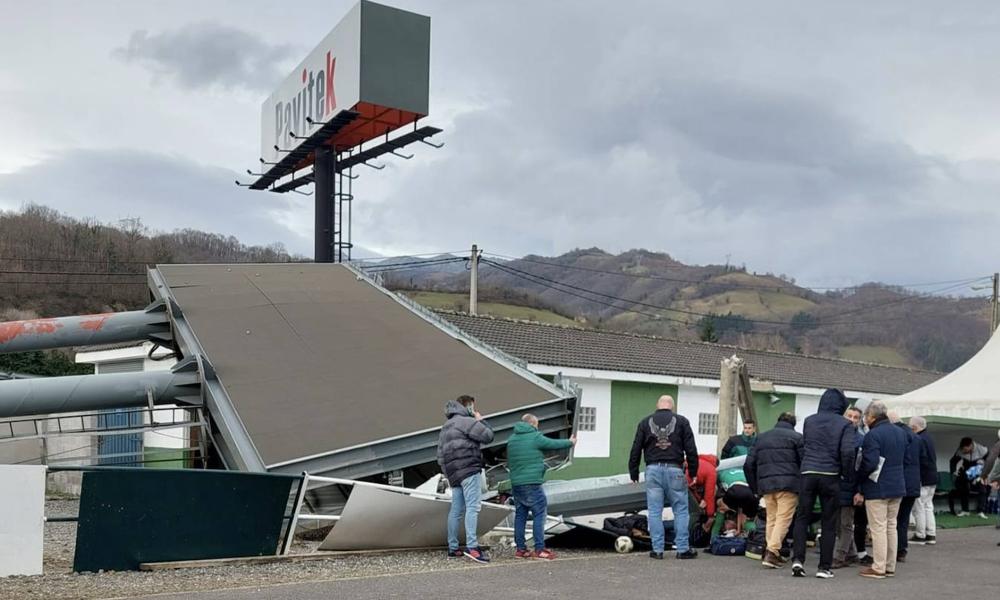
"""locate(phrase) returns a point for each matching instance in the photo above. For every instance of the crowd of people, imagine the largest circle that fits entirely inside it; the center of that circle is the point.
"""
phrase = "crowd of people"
(857, 470)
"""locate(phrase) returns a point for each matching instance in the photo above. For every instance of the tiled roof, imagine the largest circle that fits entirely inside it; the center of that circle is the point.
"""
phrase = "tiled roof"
(562, 346)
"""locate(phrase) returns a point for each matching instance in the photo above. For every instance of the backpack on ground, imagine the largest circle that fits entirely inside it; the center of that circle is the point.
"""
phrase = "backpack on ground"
(729, 546)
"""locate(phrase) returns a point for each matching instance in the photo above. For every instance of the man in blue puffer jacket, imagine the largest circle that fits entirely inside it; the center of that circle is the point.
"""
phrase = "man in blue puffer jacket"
(911, 475)
(883, 484)
(829, 451)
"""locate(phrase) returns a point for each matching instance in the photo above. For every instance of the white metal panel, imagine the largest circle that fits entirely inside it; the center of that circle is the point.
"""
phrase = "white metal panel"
(299, 95)
(805, 405)
(22, 504)
(694, 400)
(597, 443)
(375, 518)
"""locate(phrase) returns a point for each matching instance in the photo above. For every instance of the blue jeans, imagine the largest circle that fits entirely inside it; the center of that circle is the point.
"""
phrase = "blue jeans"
(667, 482)
(529, 498)
(467, 499)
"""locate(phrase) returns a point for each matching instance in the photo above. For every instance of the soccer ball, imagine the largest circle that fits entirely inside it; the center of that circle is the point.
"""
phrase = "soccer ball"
(623, 545)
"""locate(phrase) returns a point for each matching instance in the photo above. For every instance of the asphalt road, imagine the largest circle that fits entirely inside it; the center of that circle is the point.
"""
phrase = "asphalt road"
(964, 564)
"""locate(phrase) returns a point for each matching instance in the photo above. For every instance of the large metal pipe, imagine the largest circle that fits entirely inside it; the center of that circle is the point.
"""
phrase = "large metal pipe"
(85, 330)
(53, 395)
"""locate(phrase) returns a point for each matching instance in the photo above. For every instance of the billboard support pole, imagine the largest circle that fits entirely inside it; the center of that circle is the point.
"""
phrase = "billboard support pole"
(323, 171)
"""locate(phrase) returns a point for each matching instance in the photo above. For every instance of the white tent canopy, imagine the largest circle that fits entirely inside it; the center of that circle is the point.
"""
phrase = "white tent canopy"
(971, 391)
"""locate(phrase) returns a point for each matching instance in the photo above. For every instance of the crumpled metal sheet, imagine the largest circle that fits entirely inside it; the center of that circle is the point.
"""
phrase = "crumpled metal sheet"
(375, 519)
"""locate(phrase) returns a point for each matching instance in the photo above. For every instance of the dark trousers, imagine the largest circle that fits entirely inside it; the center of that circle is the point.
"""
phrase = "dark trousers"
(903, 522)
(827, 489)
(963, 489)
(860, 527)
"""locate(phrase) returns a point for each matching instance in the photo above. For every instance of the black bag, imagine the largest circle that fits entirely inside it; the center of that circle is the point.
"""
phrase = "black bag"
(631, 525)
(729, 546)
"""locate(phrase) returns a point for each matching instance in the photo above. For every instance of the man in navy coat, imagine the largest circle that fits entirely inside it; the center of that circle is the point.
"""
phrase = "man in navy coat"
(883, 485)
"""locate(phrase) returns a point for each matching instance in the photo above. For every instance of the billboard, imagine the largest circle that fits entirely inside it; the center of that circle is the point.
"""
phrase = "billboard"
(375, 61)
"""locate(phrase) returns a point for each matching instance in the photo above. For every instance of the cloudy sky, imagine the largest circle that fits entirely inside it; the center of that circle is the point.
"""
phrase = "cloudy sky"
(836, 142)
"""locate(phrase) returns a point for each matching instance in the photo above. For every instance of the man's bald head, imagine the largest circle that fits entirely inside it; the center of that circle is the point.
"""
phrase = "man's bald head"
(665, 403)
(530, 419)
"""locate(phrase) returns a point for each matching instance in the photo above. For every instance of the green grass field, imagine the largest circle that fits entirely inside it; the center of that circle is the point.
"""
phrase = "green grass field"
(883, 355)
(950, 521)
(460, 303)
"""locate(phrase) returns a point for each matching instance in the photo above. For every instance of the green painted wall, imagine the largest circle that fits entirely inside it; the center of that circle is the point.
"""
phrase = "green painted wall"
(767, 413)
(630, 401)
(164, 458)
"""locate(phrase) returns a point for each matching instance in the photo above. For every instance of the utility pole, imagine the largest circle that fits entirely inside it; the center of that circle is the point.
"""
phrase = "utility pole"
(995, 314)
(474, 281)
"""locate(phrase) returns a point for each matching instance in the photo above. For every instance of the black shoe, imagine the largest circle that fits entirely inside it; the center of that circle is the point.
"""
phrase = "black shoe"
(656, 555)
(691, 553)
(918, 540)
(455, 554)
(867, 561)
(930, 540)
(901, 556)
(798, 570)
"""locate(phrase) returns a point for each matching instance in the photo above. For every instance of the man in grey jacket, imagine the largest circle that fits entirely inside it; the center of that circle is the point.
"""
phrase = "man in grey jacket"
(460, 456)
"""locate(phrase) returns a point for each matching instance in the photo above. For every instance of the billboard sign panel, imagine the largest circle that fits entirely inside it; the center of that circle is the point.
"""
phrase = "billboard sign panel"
(377, 59)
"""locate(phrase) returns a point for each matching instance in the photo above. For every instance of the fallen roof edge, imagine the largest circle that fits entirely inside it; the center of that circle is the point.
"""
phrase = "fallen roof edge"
(512, 363)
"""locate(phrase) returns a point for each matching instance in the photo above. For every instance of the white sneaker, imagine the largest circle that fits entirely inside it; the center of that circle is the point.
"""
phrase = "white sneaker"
(983, 516)
(798, 570)
(962, 514)
(824, 574)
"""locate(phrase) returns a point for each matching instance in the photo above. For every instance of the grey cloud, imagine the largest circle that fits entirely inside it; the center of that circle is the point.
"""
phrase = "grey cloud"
(166, 192)
(203, 55)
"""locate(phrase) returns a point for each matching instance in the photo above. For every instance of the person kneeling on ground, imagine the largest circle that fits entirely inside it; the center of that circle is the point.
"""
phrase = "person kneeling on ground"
(526, 461)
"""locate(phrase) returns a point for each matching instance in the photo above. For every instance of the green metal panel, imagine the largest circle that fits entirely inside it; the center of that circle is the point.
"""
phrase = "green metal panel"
(767, 413)
(132, 516)
(630, 402)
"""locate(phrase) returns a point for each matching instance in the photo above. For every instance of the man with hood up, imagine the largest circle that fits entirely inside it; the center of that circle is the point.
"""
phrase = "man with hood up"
(829, 451)
(526, 461)
(460, 456)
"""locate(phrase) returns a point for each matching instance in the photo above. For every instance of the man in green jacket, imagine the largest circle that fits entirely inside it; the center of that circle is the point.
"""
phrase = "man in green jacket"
(525, 459)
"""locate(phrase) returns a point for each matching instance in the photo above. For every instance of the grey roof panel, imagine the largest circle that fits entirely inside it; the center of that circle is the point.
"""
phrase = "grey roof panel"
(316, 360)
(613, 351)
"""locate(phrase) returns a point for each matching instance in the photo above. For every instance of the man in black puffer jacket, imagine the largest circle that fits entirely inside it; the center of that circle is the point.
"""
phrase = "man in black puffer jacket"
(829, 445)
(773, 471)
(911, 476)
(460, 456)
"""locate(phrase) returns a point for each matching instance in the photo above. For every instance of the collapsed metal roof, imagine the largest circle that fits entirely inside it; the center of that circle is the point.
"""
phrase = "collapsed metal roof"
(313, 367)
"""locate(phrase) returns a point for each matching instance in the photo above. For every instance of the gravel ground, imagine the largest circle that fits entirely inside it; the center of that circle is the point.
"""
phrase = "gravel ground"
(59, 582)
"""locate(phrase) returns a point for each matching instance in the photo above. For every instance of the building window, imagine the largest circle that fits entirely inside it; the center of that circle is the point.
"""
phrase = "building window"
(588, 418)
(708, 424)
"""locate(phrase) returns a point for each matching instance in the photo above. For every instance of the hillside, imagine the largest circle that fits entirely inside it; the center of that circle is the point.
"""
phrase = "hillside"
(649, 292)
(54, 265)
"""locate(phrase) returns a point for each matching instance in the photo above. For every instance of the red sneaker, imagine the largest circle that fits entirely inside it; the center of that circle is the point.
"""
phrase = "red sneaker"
(545, 555)
(524, 554)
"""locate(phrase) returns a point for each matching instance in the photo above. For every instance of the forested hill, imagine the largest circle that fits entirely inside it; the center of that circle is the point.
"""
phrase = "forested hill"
(54, 265)
(651, 293)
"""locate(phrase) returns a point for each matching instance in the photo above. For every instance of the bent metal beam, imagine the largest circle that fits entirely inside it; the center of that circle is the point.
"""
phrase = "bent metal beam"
(53, 395)
(151, 323)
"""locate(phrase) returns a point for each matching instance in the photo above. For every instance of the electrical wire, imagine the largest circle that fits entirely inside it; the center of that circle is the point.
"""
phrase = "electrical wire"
(551, 283)
(776, 287)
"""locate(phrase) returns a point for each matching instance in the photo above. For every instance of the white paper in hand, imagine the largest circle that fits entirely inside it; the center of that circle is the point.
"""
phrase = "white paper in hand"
(878, 469)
